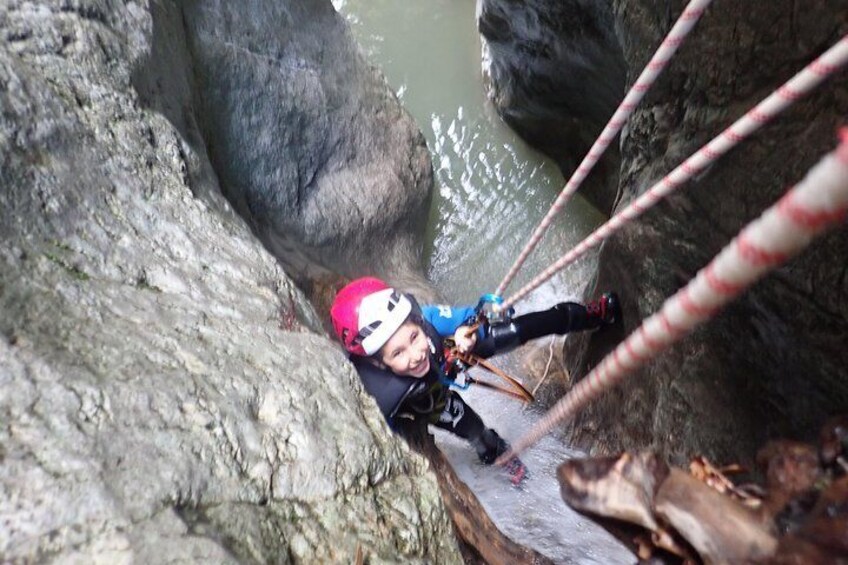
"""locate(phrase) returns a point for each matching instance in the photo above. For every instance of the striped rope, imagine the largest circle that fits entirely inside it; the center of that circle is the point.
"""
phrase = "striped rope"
(820, 201)
(687, 20)
(806, 80)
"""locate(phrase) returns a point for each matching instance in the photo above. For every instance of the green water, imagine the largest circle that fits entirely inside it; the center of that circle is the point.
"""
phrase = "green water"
(491, 189)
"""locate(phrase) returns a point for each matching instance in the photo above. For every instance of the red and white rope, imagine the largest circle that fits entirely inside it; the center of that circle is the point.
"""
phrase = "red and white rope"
(820, 201)
(809, 78)
(687, 20)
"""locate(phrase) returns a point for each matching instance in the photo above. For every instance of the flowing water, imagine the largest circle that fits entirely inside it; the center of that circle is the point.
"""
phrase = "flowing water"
(491, 192)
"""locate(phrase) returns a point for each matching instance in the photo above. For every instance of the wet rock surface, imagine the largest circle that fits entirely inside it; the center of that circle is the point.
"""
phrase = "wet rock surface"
(304, 136)
(774, 362)
(481, 540)
(555, 73)
(296, 105)
(168, 393)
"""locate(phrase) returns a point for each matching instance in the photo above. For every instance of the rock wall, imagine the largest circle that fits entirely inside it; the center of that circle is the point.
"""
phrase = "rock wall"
(774, 363)
(555, 74)
(307, 140)
(167, 392)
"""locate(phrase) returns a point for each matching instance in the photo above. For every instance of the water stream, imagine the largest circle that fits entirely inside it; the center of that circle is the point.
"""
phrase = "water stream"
(491, 192)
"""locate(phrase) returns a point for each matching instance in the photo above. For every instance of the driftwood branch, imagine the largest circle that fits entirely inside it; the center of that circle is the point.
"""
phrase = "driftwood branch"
(719, 528)
(481, 540)
(800, 518)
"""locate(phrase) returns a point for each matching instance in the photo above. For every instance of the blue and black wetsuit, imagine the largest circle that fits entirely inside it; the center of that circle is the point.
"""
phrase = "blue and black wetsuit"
(410, 401)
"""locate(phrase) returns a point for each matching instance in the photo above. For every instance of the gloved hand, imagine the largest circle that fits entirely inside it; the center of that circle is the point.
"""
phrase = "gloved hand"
(465, 338)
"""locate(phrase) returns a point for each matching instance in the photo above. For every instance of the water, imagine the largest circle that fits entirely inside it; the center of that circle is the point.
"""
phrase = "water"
(491, 192)
(535, 514)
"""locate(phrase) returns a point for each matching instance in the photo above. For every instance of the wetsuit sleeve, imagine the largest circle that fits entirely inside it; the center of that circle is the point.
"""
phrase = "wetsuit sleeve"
(446, 319)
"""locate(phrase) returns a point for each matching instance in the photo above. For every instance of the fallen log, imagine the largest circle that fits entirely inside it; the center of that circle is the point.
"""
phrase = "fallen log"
(799, 518)
(480, 539)
(621, 490)
(719, 528)
(621, 487)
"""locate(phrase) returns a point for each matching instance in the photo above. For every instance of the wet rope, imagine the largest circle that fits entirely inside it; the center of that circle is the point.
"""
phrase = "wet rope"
(802, 83)
(652, 70)
(818, 202)
(547, 367)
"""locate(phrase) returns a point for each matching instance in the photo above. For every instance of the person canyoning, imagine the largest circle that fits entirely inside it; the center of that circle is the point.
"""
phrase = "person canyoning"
(397, 348)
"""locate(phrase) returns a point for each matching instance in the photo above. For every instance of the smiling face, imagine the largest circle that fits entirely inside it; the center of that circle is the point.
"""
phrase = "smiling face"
(407, 353)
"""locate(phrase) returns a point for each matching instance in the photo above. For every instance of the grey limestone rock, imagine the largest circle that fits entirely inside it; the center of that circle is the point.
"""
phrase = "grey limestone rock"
(555, 73)
(167, 391)
(774, 362)
(326, 127)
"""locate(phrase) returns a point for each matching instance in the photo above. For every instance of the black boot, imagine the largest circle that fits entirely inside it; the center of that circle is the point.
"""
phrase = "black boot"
(489, 446)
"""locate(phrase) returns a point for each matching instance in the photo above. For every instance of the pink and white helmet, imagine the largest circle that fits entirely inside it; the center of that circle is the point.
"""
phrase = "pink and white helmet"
(366, 313)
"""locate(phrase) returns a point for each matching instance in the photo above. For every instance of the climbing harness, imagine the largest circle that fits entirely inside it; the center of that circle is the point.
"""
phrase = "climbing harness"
(802, 83)
(465, 361)
(458, 365)
(818, 202)
(684, 24)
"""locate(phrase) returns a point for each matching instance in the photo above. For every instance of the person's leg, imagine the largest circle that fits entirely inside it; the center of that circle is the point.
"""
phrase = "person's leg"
(460, 419)
(563, 318)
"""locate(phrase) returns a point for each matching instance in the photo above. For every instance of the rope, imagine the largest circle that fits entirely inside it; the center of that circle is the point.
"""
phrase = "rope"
(806, 80)
(818, 202)
(498, 388)
(471, 360)
(547, 367)
(652, 70)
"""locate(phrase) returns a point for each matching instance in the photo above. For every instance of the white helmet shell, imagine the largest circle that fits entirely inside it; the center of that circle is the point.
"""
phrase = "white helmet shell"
(380, 315)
